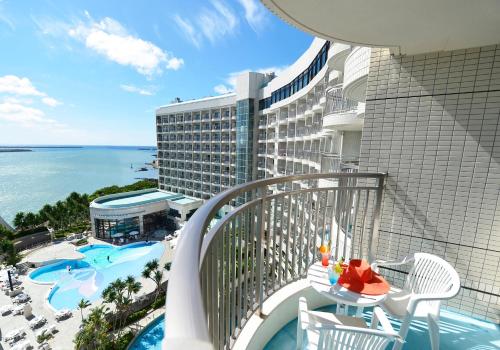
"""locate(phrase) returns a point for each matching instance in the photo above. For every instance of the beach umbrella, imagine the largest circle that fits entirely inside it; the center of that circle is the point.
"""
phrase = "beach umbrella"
(117, 235)
(133, 233)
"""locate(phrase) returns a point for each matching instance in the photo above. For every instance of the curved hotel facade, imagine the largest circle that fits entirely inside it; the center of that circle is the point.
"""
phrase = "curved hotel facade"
(306, 120)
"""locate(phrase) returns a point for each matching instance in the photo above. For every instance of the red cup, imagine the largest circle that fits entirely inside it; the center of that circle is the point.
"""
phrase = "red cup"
(325, 257)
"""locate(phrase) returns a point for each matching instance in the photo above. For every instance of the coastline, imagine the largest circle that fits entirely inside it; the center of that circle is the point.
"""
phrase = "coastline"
(7, 150)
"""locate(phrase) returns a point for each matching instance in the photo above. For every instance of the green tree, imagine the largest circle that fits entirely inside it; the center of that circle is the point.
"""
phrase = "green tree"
(19, 221)
(83, 304)
(132, 286)
(30, 220)
(93, 333)
(152, 271)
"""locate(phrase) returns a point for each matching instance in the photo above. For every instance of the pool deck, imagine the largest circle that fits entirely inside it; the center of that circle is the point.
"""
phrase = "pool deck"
(52, 253)
(63, 340)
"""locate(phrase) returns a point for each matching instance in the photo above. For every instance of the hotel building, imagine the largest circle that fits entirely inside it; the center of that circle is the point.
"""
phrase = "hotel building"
(306, 120)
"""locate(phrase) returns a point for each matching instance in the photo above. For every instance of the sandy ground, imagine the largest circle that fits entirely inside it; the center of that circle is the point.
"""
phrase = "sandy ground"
(62, 340)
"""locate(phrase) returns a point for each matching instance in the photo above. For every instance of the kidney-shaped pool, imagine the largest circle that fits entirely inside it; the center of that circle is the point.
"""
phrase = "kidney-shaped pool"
(86, 278)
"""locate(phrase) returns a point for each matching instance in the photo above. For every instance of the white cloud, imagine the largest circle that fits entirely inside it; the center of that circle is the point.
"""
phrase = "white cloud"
(12, 84)
(175, 63)
(255, 13)
(26, 116)
(222, 89)
(5, 18)
(212, 23)
(52, 102)
(189, 31)
(135, 89)
(111, 40)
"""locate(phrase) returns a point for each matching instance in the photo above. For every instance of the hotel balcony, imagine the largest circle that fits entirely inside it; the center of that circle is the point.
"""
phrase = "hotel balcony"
(341, 113)
(237, 284)
(356, 69)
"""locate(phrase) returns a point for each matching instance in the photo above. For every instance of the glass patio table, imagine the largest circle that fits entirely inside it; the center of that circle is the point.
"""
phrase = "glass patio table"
(317, 276)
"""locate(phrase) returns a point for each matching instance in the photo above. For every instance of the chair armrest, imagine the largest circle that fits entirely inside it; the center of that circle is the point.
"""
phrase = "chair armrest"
(379, 316)
(405, 260)
(303, 317)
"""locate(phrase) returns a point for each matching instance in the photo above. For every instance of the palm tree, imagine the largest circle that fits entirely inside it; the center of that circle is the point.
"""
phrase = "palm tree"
(93, 333)
(19, 221)
(132, 286)
(151, 271)
(83, 304)
(117, 293)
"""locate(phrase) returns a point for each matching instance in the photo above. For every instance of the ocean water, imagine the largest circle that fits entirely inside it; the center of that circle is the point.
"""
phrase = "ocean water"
(29, 180)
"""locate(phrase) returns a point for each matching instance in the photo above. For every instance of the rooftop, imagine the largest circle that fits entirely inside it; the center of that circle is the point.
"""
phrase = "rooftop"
(137, 198)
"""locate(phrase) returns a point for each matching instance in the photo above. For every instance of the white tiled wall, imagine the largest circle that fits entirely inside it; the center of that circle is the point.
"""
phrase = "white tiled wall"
(432, 123)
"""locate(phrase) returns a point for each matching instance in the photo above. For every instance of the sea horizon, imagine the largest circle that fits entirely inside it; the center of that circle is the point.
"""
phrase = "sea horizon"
(68, 146)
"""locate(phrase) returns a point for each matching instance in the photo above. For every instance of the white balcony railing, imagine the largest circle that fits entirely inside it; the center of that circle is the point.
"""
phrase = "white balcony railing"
(337, 103)
(222, 273)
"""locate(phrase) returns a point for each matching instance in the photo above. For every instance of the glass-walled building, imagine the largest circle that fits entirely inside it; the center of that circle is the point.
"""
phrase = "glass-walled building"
(140, 214)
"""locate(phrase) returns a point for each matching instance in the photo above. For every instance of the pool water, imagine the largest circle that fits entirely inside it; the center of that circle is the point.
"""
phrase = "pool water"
(87, 278)
(151, 337)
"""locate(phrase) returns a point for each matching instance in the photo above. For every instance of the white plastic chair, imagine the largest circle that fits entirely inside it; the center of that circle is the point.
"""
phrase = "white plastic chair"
(324, 330)
(429, 281)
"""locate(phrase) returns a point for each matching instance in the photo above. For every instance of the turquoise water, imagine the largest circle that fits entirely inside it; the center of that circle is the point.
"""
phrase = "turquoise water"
(28, 180)
(456, 332)
(151, 337)
(87, 278)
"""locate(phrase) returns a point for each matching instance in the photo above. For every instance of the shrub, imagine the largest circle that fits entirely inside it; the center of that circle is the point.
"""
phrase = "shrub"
(136, 316)
(82, 241)
(158, 303)
(121, 342)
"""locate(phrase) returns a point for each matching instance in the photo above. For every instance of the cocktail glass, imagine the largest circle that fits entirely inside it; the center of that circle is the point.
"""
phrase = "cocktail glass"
(325, 259)
(333, 277)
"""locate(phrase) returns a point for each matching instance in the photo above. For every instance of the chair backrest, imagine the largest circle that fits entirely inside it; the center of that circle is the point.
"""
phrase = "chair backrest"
(351, 338)
(432, 275)
(329, 336)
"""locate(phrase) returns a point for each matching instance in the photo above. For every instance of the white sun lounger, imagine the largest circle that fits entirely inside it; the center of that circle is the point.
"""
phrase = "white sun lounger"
(15, 334)
(6, 309)
(63, 314)
(18, 309)
(52, 329)
(37, 322)
(25, 345)
(44, 346)
(21, 298)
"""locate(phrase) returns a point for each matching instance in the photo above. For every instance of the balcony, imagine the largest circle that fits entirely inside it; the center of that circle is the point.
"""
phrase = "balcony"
(279, 233)
(356, 70)
(341, 113)
(240, 280)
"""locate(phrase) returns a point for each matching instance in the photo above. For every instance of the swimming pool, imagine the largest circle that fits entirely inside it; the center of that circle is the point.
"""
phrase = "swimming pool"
(151, 337)
(86, 278)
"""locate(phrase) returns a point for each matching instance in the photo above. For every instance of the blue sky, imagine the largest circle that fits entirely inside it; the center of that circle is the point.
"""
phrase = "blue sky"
(93, 72)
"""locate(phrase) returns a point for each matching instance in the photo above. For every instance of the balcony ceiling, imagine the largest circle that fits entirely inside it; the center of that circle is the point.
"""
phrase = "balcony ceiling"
(407, 27)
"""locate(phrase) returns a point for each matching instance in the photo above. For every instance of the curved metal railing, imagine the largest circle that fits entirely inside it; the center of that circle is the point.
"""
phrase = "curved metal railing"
(337, 103)
(224, 269)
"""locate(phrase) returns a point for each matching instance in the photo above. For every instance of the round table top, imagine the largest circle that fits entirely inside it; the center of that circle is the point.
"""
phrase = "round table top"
(317, 276)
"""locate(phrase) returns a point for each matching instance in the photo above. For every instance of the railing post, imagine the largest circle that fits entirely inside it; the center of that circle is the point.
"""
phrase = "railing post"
(260, 249)
(376, 218)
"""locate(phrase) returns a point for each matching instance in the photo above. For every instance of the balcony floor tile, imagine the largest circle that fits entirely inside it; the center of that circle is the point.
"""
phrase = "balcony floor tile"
(457, 332)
